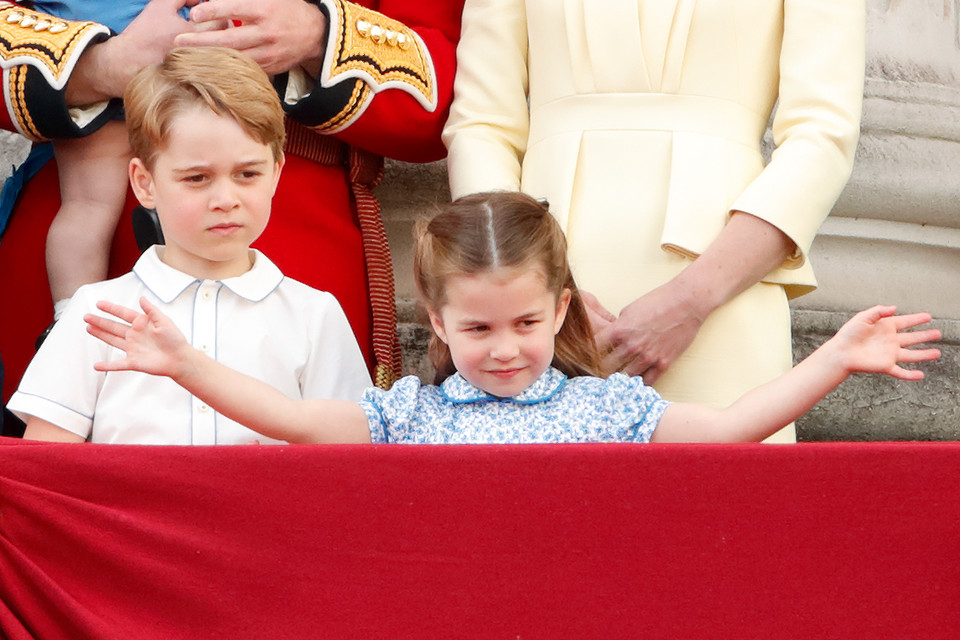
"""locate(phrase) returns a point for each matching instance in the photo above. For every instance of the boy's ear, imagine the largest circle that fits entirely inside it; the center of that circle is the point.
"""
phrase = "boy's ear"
(563, 303)
(277, 168)
(437, 323)
(141, 181)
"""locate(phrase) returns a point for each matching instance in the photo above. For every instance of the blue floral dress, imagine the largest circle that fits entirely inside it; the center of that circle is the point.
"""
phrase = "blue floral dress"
(553, 409)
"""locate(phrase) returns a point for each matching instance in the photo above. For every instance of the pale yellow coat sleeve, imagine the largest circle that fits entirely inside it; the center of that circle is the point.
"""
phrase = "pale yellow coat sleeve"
(816, 124)
(486, 133)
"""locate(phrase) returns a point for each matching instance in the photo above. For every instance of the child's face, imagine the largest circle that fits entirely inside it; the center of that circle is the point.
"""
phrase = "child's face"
(211, 185)
(500, 327)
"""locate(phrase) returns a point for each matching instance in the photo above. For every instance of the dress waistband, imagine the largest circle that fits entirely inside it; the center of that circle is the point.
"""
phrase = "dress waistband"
(647, 112)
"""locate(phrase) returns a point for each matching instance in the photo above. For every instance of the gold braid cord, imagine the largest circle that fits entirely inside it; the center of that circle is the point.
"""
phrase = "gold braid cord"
(366, 169)
(50, 45)
(378, 53)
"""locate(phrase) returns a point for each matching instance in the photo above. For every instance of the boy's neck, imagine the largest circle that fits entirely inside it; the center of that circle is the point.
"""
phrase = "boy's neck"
(207, 269)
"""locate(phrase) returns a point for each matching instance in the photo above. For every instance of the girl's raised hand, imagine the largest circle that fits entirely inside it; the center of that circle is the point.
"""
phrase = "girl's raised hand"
(151, 341)
(877, 341)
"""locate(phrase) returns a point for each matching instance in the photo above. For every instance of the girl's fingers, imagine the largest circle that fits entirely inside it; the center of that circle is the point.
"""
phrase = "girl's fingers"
(906, 374)
(911, 320)
(910, 338)
(918, 355)
(877, 313)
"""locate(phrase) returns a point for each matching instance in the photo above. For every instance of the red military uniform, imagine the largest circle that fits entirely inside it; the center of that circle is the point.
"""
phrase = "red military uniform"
(384, 90)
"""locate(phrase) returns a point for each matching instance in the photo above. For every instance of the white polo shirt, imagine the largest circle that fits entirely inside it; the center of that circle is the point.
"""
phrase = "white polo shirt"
(268, 326)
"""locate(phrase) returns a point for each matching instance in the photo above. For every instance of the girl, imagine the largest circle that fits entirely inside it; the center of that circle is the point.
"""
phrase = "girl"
(642, 122)
(514, 355)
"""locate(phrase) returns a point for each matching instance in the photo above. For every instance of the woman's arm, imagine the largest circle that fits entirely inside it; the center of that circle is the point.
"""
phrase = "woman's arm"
(154, 345)
(775, 219)
(486, 134)
(651, 332)
(873, 341)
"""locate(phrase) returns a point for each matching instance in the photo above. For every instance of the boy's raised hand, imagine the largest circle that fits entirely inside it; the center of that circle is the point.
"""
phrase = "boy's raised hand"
(877, 341)
(152, 342)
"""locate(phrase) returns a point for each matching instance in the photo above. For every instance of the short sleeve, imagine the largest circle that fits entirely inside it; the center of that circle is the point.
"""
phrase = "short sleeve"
(60, 385)
(389, 412)
(635, 408)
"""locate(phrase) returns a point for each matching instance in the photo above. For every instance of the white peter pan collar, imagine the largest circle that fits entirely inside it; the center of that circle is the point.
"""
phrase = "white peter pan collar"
(167, 283)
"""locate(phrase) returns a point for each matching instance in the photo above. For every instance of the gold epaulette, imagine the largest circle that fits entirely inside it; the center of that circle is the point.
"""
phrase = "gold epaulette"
(32, 40)
(43, 42)
(380, 51)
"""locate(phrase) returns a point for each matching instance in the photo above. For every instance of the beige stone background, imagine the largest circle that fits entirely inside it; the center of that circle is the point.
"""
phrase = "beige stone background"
(893, 238)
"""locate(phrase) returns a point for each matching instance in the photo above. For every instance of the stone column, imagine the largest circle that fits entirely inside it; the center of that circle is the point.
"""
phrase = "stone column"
(894, 236)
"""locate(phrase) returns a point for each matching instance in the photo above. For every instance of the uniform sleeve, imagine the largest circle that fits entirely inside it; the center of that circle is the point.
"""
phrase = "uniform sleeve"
(60, 385)
(817, 122)
(38, 54)
(387, 76)
(486, 134)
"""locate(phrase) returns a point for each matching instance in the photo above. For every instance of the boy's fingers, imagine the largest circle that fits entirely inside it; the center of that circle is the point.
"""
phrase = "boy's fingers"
(107, 325)
(105, 336)
(117, 310)
(111, 365)
(147, 306)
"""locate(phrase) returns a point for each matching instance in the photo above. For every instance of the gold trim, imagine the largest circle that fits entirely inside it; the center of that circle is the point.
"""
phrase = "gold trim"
(18, 105)
(383, 52)
(350, 112)
(29, 37)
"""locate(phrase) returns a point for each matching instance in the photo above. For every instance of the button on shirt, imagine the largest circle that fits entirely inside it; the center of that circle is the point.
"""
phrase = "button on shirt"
(553, 409)
(261, 323)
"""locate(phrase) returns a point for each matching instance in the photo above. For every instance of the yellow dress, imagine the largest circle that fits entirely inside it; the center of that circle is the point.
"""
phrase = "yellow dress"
(641, 122)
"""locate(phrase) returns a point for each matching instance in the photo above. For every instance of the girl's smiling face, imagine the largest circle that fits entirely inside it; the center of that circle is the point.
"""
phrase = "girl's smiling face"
(500, 327)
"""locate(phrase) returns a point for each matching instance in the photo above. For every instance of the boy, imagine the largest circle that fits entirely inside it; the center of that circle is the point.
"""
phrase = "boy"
(206, 132)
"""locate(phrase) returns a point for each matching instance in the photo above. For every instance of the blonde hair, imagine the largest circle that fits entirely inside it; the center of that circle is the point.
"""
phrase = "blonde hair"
(225, 81)
(485, 232)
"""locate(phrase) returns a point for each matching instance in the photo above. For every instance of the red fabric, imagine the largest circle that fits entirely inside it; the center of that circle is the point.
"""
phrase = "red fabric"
(562, 541)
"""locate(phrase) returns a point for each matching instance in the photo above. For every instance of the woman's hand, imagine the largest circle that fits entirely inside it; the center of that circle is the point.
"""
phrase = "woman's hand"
(104, 70)
(151, 341)
(598, 315)
(650, 334)
(278, 34)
